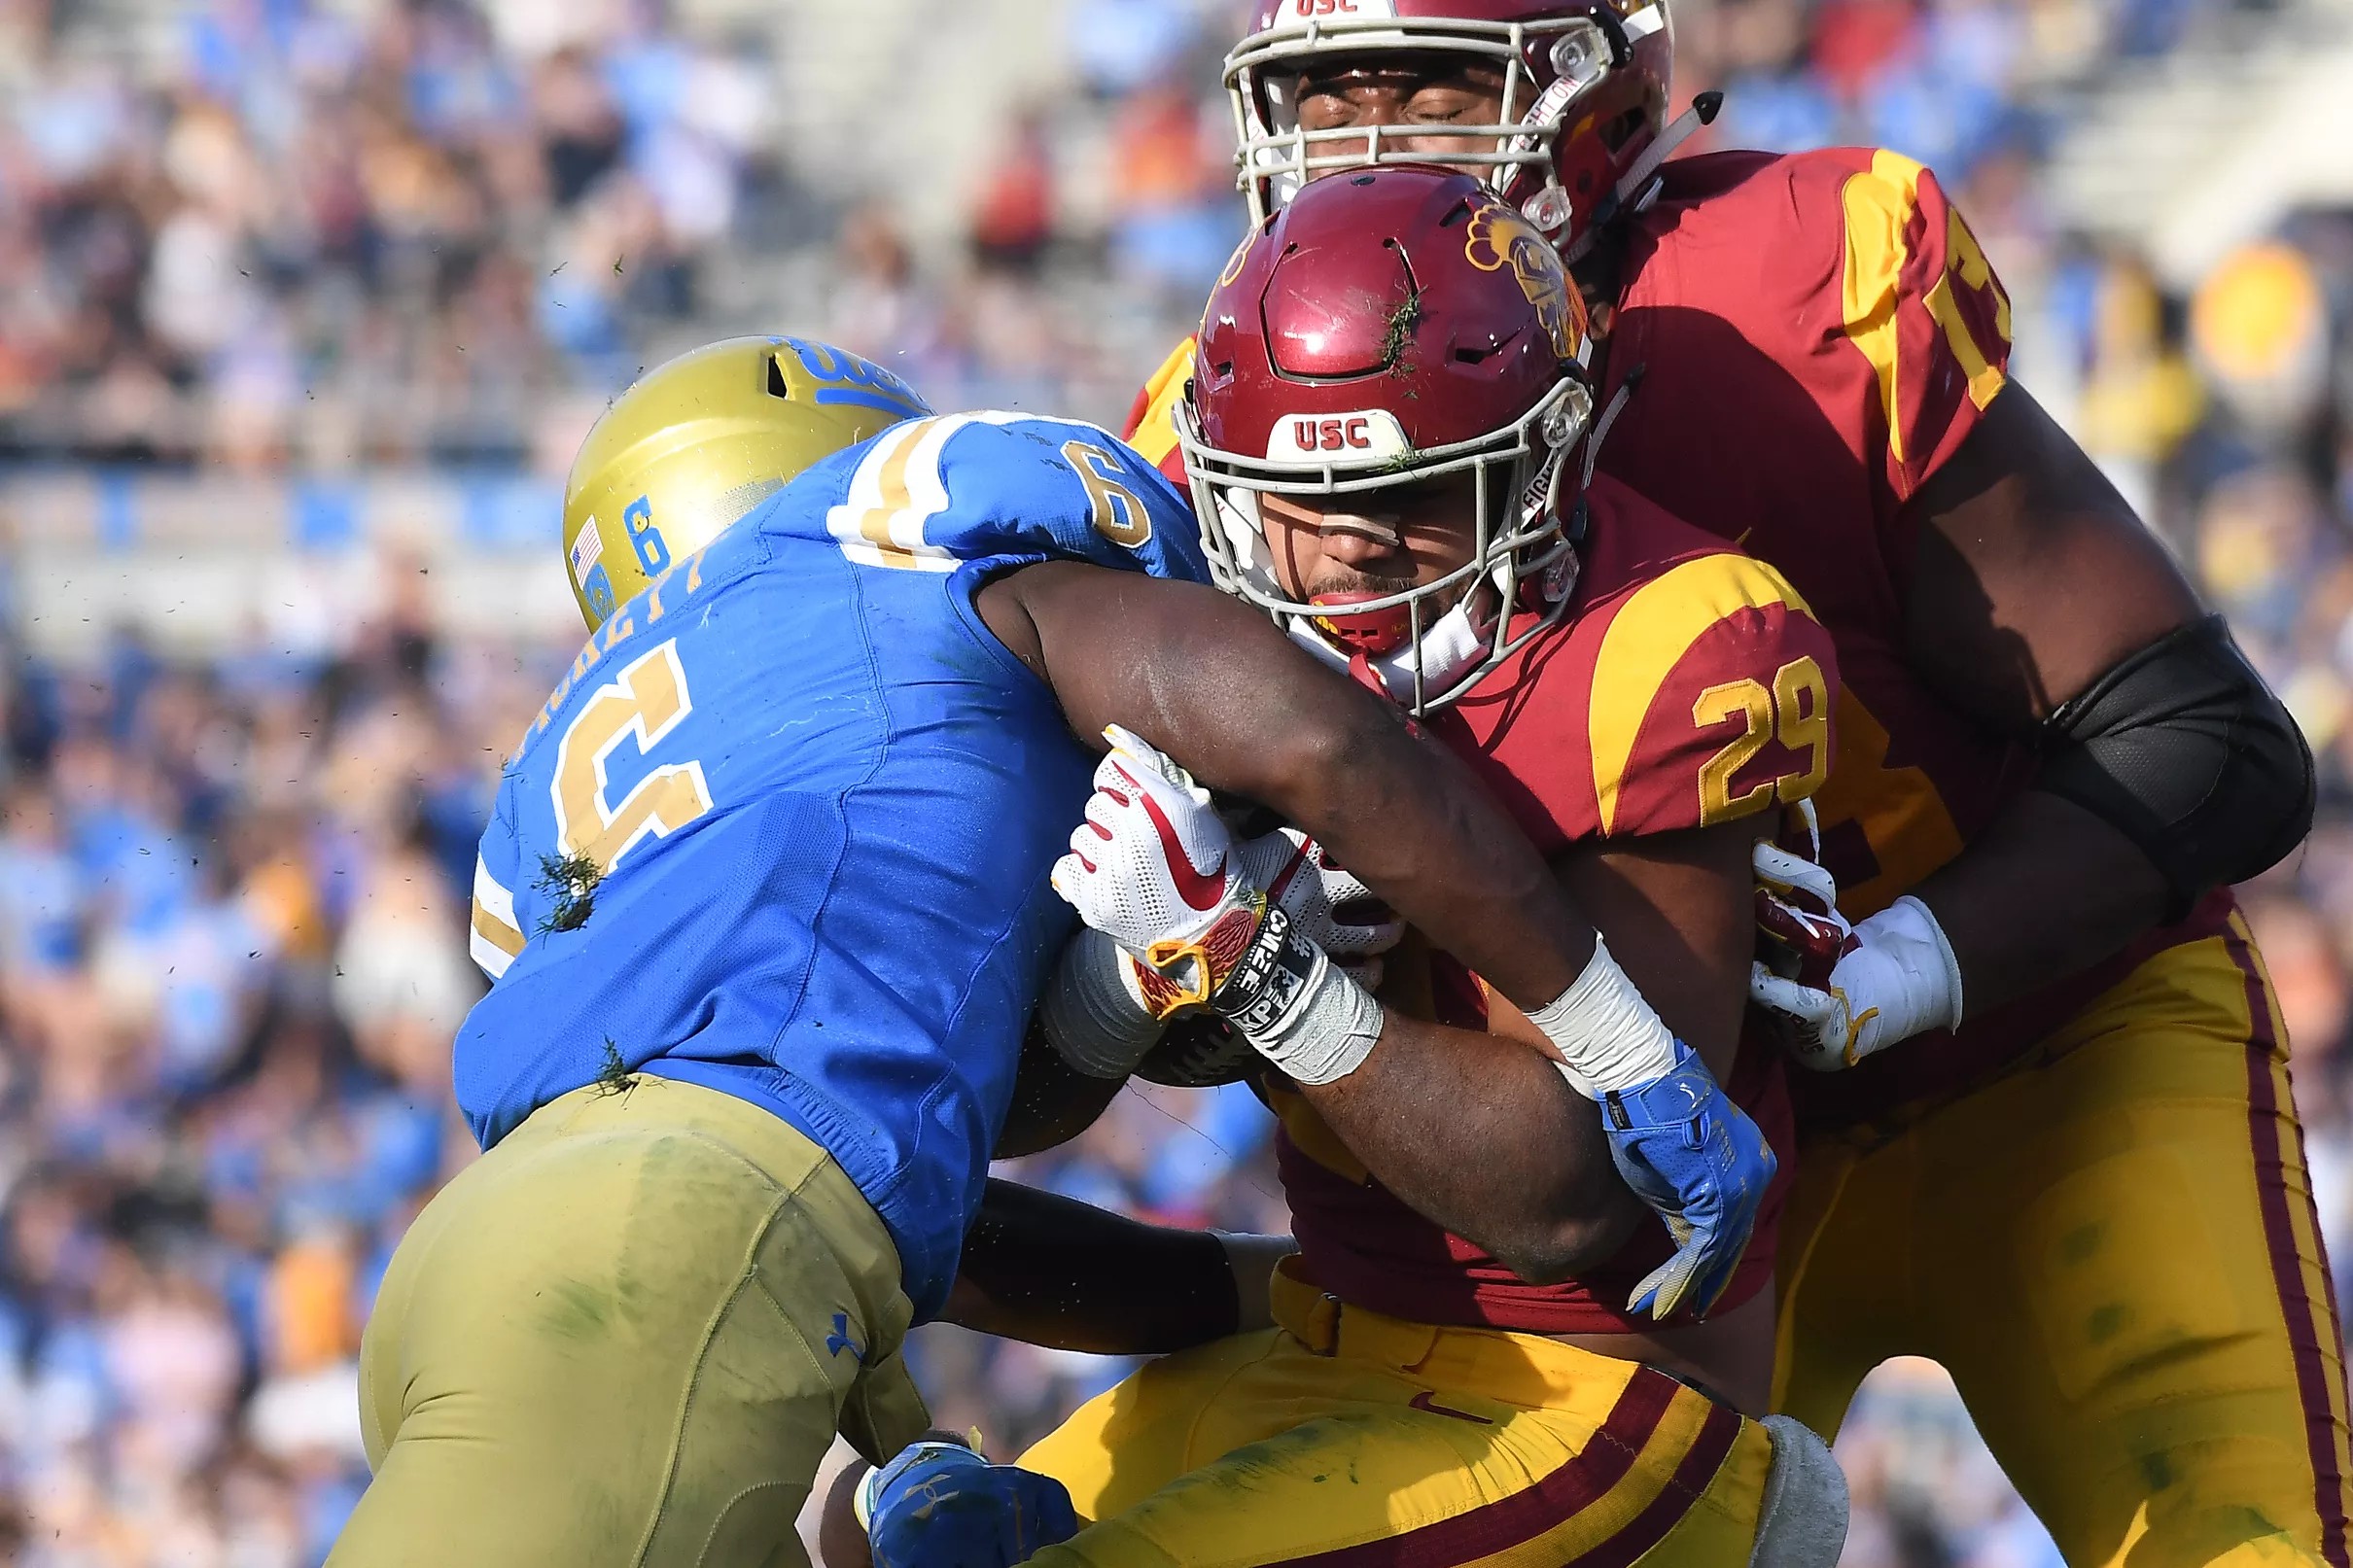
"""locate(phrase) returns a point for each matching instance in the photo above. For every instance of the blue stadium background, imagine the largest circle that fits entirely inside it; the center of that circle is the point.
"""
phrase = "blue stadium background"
(304, 305)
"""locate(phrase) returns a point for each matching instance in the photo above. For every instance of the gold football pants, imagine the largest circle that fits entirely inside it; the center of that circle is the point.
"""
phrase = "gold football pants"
(626, 1335)
(2113, 1249)
(1346, 1439)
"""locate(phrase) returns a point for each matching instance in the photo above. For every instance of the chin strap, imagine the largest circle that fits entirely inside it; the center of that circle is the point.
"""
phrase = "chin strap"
(1451, 645)
(1600, 429)
(1635, 189)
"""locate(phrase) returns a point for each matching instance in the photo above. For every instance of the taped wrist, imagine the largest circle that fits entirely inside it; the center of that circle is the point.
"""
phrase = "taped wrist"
(1093, 1020)
(1301, 1010)
(1250, 1259)
(2182, 748)
(1607, 1035)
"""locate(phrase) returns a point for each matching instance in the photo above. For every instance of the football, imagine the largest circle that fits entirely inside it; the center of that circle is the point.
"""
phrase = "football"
(1198, 1050)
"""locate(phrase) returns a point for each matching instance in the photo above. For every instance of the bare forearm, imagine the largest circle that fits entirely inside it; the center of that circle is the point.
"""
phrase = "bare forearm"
(1255, 717)
(2031, 579)
(2048, 889)
(1460, 872)
(1482, 1136)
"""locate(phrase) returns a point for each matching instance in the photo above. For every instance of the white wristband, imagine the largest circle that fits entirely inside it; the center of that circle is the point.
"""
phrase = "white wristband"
(1607, 1035)
(1327, 1033)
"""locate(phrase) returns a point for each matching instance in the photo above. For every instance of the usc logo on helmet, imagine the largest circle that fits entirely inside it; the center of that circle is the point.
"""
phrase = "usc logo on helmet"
(1499, 238)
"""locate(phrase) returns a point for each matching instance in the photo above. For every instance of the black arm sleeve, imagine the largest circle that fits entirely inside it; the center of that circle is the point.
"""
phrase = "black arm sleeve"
(2182, 748)
(1055, 1272)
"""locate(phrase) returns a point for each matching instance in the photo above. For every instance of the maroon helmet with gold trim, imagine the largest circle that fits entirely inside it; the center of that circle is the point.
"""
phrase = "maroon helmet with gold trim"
(1389, 328)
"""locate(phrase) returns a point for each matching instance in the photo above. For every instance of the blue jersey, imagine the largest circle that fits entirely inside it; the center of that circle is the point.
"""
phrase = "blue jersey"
(785, 829)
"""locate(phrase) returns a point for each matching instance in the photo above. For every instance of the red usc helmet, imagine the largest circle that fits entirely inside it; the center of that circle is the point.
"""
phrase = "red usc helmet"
(1386, 328)
(1584, 97)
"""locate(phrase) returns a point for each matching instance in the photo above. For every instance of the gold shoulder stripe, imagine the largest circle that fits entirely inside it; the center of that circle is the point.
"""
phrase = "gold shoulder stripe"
(889, 459)
(496, 940)
(1648, 637)
(507, 939)
(1156, 433)
(1879, 205)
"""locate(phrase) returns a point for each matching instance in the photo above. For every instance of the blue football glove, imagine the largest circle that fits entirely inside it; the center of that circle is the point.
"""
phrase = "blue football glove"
(1694, 1156)
(938, 1505)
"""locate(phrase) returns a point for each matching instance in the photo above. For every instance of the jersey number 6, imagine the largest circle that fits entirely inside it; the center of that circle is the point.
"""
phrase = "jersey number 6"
(644, 702)
(1115, 510)
(1797, 710)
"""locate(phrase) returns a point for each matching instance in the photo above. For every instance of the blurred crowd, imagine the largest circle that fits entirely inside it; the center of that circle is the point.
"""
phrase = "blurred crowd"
(279, 231)
(306, 234)
(231, 931)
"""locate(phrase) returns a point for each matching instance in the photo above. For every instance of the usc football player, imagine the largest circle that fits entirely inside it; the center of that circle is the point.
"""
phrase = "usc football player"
(1388, 437)
(2051, 1144)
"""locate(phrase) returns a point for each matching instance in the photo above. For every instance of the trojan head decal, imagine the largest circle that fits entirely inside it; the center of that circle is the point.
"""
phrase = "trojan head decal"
(1499, 238)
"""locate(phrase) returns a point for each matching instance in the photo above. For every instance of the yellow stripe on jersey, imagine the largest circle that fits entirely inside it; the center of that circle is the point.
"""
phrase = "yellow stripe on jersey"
(1156, 431)
(496, 939)
(896, 491)
(1648, 637)
(891, 499)
(1879, 206)
(1965, 261)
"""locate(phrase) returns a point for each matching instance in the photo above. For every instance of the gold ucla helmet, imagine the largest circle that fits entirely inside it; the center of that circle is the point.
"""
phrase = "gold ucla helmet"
(700, 442)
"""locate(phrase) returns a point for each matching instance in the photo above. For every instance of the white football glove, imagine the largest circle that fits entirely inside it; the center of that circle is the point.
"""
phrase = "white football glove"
(1098, 1008)
(1296, 873)
(1845, 991)
(1154, 868)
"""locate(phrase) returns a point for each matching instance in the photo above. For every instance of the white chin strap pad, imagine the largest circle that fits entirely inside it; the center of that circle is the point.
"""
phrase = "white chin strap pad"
(1451, 645)
(1803, 1523)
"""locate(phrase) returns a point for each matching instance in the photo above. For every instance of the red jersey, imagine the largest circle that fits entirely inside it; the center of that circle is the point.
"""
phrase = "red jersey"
(1817, 333)
(1688, 685)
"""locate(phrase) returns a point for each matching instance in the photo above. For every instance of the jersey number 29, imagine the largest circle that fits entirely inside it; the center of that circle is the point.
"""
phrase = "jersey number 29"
(1796, 708)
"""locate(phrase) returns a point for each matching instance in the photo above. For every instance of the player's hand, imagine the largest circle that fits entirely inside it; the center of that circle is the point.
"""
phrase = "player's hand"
(940, 1505)
(1892, 977)
(1328, 905)
(1100, 1008)
(1801, 934)
(1154, 868)
(1696, 1158)
(1676, 1138)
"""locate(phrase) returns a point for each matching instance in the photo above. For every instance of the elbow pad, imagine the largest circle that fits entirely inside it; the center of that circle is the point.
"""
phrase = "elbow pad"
(2182, 748)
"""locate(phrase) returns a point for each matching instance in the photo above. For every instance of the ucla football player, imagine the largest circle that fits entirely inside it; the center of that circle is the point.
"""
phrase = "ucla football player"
(766, 904)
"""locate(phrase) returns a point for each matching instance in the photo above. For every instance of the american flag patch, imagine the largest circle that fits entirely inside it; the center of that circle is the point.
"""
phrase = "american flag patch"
(588, 548)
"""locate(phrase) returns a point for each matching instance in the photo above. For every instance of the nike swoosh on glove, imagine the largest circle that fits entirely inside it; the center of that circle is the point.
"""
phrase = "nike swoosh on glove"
(1154, 868)
(941, 1505)
(1696, 1158)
